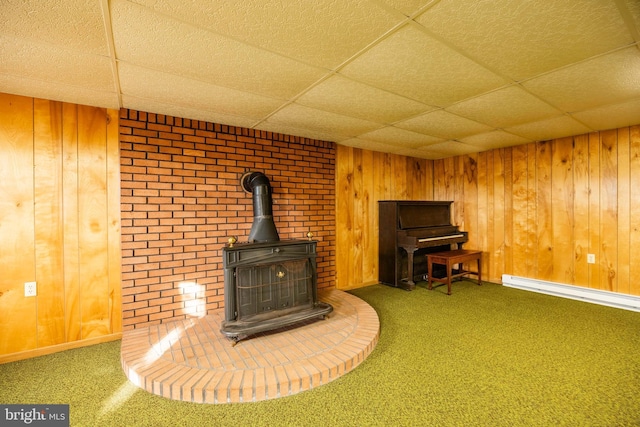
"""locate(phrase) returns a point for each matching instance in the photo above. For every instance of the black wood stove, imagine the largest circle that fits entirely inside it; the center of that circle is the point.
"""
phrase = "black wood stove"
(268, 283)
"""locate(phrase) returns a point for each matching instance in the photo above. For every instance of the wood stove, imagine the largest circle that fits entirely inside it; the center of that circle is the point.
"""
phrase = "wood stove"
(268, 283)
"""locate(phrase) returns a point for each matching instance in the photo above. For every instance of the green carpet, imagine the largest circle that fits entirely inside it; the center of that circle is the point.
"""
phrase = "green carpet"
(484, 356)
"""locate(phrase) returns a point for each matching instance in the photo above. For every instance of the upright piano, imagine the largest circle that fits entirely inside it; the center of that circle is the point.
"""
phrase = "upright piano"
(409, 229)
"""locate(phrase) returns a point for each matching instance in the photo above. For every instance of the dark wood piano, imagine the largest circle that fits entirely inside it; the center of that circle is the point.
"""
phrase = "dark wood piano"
(409, 229)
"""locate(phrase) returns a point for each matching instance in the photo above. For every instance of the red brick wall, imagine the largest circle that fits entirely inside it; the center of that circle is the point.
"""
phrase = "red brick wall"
(181, 200)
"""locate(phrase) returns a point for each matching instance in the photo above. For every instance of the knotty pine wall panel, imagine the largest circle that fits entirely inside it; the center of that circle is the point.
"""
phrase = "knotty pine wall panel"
(624, 202)
(634, 210)
(593, 226)
(581, 207)
(48, 220)
(60, 221)
(535, 210)
(608, 210)
(18, 315)
(362, 179)
(562, 212)
(71, 230)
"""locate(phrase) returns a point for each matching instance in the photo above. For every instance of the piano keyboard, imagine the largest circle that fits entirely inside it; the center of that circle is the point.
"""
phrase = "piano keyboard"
(431, 239)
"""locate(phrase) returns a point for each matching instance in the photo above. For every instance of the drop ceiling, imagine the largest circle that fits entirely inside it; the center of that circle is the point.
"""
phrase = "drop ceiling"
(427, 79)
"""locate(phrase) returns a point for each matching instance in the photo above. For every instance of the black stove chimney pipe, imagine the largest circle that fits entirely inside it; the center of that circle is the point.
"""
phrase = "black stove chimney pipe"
(263, 228)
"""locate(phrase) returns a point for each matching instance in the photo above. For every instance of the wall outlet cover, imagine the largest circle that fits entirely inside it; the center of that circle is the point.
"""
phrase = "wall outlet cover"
(30, 289)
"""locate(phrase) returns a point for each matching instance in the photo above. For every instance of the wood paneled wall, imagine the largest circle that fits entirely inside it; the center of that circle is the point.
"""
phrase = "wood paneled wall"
(59, 224)
(535, 210)
(362, 179)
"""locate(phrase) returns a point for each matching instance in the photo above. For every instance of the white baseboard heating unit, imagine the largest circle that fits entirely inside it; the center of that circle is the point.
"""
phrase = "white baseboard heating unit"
(595, 296)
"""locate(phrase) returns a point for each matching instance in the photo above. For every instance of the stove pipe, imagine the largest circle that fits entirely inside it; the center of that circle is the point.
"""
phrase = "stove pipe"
(263, 228)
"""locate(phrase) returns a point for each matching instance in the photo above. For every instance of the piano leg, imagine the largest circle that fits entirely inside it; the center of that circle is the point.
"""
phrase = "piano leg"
(410, 284)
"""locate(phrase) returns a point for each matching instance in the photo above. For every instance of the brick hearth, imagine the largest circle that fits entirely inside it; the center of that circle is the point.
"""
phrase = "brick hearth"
(191, 360)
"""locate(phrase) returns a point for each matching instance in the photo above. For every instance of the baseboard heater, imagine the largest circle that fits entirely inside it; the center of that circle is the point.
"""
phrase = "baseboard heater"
(595, 296)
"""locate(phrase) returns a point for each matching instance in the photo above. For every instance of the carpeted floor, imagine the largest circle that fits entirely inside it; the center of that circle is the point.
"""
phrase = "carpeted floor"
(484, 356)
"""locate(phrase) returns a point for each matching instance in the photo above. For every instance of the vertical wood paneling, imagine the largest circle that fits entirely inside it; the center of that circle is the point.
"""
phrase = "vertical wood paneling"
(581, 208)
(532, 213)
(387, 172)
(443, 179)
(634, 209)
(519, 211)
(608, 210)
(47, 170)
(469, 197)
(344, 217)
(562, 211)
(439, 178)
(18, 321)
(543, 211)
(419, 179)
(496, 218)
(369, 220)
(71, 242)
(537, 210)
(623, 223)
(482, 218)
(458, 192)
(359, 217)
(400, 189)
(92, 208)
(594, 209)
(114, 255)
(429, 180)
(490, 233)
(364, 178)
(59, 224)
(508, 213)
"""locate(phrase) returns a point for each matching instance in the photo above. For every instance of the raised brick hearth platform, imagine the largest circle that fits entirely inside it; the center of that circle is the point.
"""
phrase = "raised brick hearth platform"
(191, 360)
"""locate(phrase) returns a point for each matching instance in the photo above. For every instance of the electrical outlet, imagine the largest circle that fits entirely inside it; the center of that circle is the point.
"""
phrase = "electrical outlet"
(591, 258)
(30, 289)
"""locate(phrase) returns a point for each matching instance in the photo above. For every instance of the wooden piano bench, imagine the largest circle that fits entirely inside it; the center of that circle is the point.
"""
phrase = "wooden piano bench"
(449, 259)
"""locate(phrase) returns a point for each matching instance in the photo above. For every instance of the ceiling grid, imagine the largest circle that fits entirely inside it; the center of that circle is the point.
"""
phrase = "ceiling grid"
(422, 78)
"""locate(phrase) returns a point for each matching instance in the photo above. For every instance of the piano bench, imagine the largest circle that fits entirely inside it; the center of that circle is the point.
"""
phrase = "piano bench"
(449, 259)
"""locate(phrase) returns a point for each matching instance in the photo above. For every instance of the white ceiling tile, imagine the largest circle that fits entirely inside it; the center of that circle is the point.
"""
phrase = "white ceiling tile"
(557, 127)
(55, 64)
(299, 131)
(321, 121)
(158, 42)
(72, 24)
(321, 33)
(58, 92)
(606, 79)
(423, 153)
(495, 139)
(170, 89)
(443, 125)
(343, 96)
(612, 116)
(367, 144)
(452, 148)
(412, 64)
(400, 85)
(522, 39)
(504, 107)
(400, 137)
(407, 7)
(170, 109)
(630, 9)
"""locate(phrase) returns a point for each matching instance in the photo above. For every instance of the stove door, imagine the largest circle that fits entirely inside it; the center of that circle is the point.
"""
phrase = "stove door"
(278, 286)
